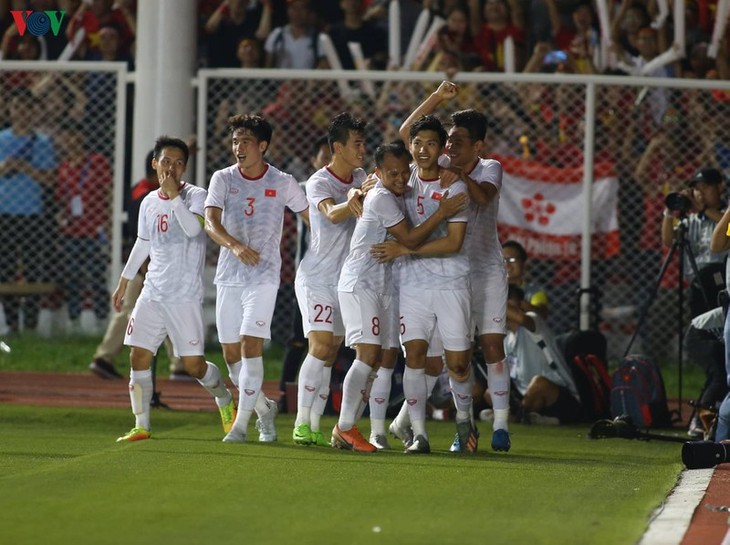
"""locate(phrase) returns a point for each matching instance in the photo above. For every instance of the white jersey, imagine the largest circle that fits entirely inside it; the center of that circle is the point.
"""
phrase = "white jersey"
(330, 242)
(175, 272)
(441, 272)
(529, 354)
(482, 240)
(253, 213)
(382, 209)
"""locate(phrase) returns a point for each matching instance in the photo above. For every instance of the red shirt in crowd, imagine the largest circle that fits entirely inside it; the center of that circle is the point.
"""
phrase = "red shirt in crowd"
(83, 192)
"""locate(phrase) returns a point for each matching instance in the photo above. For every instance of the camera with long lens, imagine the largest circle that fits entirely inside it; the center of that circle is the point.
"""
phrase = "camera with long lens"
(705, 454)
(678, 202)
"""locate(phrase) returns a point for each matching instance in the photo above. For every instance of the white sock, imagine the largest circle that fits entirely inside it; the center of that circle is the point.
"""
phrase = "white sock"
(320, 402)
(310, 379)
(462, 394)
(499, 384)
(213, 382)
(365, 396)
(414, 388)
(430, 383)
(252, 378)
(141, 380)
(262, 404)
(501, 419)
(379, 397)
(234, 372)
(354, 388)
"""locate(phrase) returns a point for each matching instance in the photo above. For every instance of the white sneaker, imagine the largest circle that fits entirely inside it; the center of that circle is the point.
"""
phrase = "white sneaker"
(380, 441)
(419, 446)
(234, 436)
(404, 434)
(265, 423)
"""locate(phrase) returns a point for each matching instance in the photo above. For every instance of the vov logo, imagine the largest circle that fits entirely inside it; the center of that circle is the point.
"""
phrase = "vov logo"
(38, 23)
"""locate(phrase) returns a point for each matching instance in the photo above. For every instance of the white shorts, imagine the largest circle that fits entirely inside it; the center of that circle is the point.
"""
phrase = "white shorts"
(320, 309)
(244, 311)
(150, 322)
(489, 303)
(448, 311)
(367, 316)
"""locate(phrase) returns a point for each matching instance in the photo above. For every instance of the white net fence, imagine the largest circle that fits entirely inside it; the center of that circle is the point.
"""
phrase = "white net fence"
(61, 175)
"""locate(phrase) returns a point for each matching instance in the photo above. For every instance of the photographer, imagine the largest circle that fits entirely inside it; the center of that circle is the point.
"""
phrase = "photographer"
(699, 208)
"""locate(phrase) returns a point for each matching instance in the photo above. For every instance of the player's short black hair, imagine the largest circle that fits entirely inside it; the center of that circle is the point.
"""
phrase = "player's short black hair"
(148, 170)
(429, 123)
(341, 126)
(522, 254)
(258, 126)
(318, 143)
(396, 149)
(473, 121)
(169, 142)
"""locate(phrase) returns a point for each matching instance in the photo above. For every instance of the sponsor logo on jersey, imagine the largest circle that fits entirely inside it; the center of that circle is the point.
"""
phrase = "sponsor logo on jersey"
(260, 323)
(193, 343)
(234, 191)
(269, 192)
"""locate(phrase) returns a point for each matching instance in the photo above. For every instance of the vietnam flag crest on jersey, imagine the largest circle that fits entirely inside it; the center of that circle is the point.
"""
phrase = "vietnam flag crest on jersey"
(270, 193)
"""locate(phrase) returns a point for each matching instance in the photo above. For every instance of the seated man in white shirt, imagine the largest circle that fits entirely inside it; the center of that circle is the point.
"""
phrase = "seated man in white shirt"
(541, 379)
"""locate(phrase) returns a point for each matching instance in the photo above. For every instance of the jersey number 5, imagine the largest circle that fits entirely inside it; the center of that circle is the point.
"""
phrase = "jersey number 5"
(419, 205)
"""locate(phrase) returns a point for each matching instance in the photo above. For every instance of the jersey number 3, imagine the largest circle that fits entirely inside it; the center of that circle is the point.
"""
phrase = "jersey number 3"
(250, 209)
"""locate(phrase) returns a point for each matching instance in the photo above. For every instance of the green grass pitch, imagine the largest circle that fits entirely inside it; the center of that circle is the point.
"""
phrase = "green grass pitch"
(64, 480)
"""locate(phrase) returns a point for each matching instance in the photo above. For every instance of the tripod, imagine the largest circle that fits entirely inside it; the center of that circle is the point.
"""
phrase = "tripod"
(155, 401)
(680, 242)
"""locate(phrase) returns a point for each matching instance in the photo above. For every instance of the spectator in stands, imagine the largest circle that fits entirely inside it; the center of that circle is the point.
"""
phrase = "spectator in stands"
(103, 363)
(230, 24)
(83, 193)
(297, 44)
(110, 46)
(498, 20)
(542, 382)
(353, 28)
(625, 26)
(22, 48)
(27, 169)
(581, 41)
(92, 16)
(59, 99)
